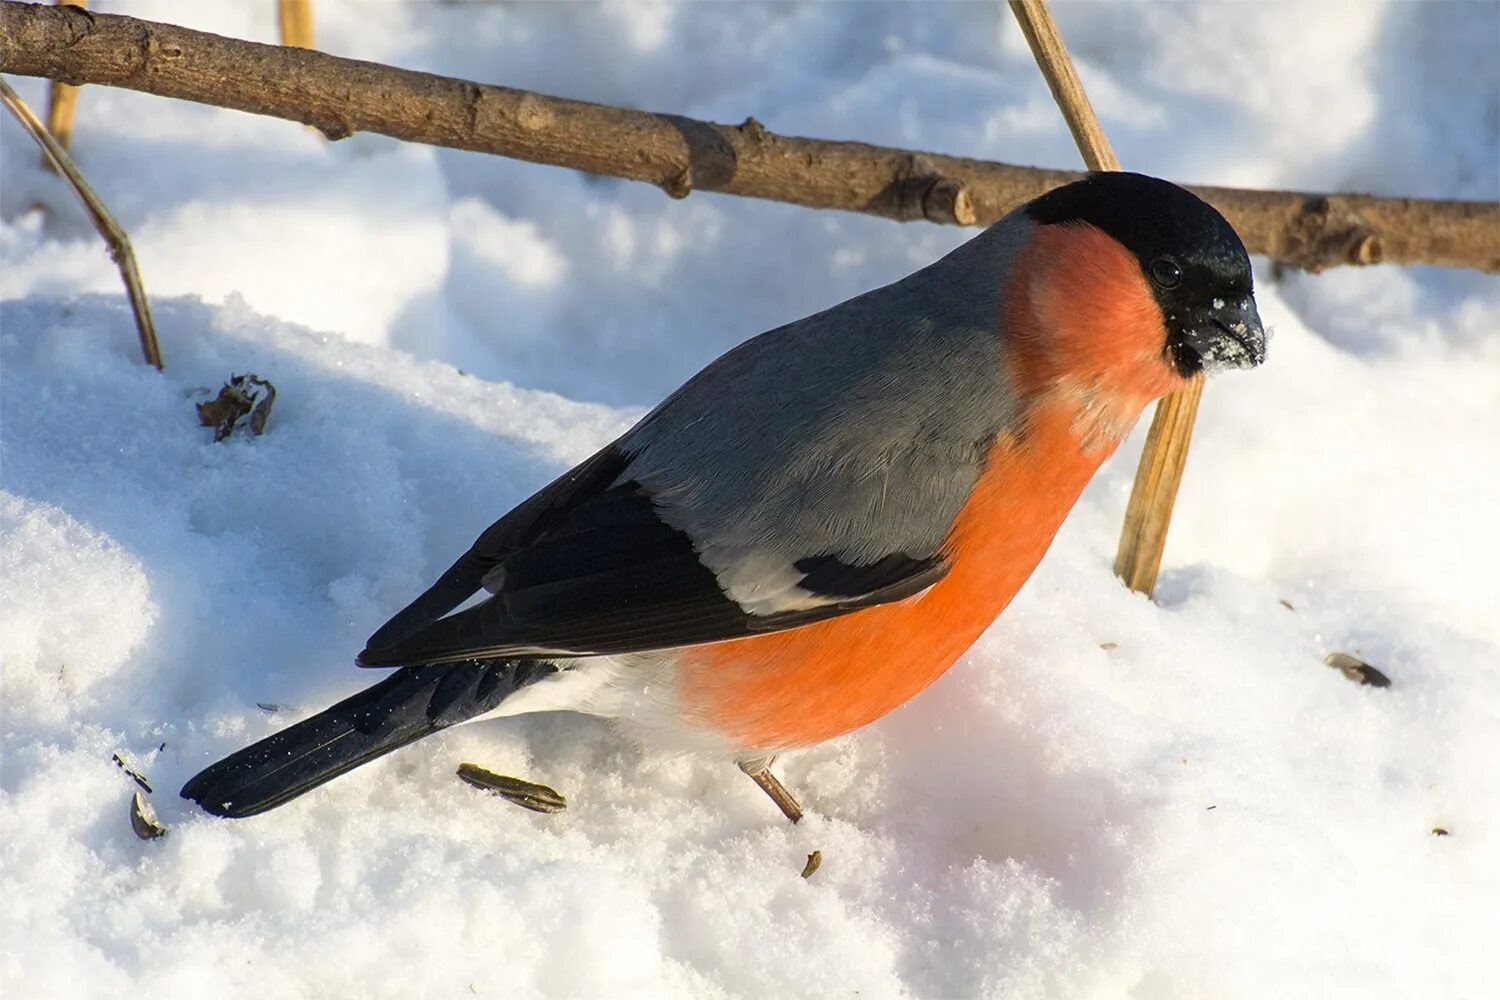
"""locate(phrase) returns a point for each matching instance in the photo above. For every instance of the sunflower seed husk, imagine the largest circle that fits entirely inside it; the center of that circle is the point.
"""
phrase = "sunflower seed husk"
(526, 794)
(143, 819)
(1357, 670)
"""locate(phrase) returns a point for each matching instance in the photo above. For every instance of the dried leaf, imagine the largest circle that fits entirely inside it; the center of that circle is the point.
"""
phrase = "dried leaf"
(813, 861)
(224, 411)
(143, 819)
(262, 410)
(242, 395)
(1357, 670)
(526, 794)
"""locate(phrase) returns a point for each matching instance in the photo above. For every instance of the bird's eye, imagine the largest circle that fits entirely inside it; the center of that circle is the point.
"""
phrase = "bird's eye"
(1166, 272)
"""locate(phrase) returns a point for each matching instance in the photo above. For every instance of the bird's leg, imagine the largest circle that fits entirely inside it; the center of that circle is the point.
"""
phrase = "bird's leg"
(759, 770)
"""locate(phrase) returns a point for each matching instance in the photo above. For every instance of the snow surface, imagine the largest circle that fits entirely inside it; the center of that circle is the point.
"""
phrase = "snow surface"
(1202, 809)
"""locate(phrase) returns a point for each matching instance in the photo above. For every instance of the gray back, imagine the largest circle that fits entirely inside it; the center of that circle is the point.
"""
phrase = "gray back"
(857, 432)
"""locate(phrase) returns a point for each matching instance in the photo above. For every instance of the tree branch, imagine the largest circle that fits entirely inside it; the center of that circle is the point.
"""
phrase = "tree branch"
(344, 96)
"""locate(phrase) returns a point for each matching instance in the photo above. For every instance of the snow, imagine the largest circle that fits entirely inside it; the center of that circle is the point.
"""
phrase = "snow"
(1200, 809)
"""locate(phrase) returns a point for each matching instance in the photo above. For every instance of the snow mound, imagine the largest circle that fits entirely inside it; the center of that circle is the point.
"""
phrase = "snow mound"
(1106, 797)
(74, 606)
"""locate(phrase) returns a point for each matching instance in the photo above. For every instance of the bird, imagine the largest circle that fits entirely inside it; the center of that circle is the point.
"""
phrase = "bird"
(816, 526)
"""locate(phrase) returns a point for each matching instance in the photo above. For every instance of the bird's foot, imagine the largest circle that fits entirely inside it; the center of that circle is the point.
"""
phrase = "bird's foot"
(759, 771)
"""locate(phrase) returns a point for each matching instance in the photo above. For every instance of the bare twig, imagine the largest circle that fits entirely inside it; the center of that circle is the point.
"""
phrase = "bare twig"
(1149, 512)
(343, 96)
(296, 22)
(114, 236)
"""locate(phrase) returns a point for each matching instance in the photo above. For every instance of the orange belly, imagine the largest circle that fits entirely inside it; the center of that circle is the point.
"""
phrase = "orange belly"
(811, 684)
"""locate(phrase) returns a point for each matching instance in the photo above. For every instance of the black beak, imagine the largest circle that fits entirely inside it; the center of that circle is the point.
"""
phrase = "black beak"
(1224, 335)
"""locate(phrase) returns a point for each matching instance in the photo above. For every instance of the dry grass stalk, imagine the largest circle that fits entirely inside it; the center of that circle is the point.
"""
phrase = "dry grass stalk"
(296, 22)
(1067, 90)
(62, 102)
(114, 236)
(1149, 512)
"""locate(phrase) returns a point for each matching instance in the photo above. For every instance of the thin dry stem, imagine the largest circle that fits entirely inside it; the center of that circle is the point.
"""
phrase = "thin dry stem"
(295, 18)
(1149, 512)
(1143, 536)
(114, 236)
(62, 101)
(1062, 79)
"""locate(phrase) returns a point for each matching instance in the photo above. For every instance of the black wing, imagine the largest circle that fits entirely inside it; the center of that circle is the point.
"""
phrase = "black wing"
(588, 567)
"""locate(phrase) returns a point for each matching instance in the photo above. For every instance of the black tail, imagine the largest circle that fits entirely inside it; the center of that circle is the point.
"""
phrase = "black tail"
(411, 703)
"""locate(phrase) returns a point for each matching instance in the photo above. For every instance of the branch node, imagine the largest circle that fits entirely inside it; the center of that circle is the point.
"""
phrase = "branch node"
(1326, 232)
(920, 190)
(948, 201)
(534, 112)
(334, 130)
(754, 130)
(78, 31)
(473, 95)
(156, 49)
(679, 185)
(1369, 250)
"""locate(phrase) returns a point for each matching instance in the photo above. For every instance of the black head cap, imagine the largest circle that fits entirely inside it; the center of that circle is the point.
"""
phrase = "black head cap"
(1192, 258)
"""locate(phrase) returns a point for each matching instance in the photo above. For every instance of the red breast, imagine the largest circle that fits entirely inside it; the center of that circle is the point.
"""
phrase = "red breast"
(1083, 340)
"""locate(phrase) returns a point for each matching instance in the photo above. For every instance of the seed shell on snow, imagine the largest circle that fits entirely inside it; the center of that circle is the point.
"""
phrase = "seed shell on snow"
(1357, 670)
(143, 819)
(526, 794)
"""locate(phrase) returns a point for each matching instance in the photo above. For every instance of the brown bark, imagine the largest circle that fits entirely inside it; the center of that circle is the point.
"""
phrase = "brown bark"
(343, 96)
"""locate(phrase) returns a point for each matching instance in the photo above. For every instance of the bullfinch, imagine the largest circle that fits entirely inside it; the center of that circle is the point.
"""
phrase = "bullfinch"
(816, 526)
